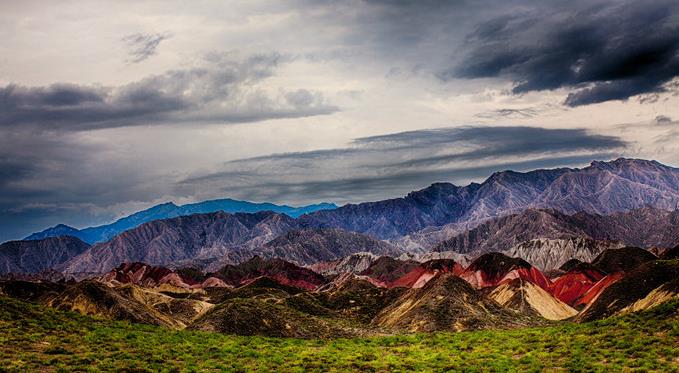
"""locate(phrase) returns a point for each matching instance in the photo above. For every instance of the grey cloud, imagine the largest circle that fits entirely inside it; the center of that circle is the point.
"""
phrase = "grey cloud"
(142, 46)
(606, 51)
(225, 91)
(500, 142)
(662, 120)
(392, 164)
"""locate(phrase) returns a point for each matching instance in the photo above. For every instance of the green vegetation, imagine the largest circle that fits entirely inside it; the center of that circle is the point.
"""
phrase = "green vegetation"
(36, 338)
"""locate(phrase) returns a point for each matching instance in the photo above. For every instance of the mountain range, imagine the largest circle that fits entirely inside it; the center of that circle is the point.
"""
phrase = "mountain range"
(547, 216)
(601, 188)
(168, 210)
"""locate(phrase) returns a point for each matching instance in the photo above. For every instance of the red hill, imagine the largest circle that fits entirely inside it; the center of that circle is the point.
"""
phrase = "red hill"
(493, 269)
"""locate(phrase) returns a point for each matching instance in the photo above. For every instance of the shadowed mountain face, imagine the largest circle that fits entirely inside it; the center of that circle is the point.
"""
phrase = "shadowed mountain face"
(672, 253)
(279, 270)
(601, 188)
(227, 239)
(622, 260)
(170, 210)
(649, 284)
(38, 255)
(385, 270)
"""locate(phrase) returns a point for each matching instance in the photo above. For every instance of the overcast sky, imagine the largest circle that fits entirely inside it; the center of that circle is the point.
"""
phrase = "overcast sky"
(110, 107)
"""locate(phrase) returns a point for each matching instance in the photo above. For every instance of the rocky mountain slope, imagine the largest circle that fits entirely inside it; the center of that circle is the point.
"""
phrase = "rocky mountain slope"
(34, 256)
(423, 273)
(200, 236)
(385, 270)
(309, 246)
(548, 254)
(643, 227)
(354, 263)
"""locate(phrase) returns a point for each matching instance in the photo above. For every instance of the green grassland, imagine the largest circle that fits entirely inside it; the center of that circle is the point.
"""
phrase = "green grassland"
(36, 338)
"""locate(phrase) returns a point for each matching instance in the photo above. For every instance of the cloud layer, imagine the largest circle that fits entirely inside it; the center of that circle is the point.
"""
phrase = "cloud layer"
(223, 91)
(603, 51)
(393, 164)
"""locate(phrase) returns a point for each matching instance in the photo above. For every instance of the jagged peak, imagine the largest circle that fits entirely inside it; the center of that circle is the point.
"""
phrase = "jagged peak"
(621, 162)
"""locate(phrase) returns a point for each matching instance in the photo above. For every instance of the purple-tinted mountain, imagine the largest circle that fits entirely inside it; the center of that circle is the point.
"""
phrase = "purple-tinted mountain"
(642, 227)
(601, 188)
(199, 236)
(38, 255)
(170, 210)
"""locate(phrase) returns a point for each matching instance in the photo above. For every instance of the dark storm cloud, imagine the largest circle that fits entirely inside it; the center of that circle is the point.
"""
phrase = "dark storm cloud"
(142, 46)
(223, 92)
(396, 163)
(601, 50)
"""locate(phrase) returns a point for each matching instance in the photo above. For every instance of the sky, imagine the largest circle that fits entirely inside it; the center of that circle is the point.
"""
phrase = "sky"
(109, 107)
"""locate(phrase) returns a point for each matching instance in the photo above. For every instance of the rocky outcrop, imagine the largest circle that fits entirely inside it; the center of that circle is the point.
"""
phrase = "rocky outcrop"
(354, 263)
(548, 254)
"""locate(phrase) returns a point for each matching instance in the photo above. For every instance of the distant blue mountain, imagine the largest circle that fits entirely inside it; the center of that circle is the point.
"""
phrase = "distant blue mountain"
(103, 233)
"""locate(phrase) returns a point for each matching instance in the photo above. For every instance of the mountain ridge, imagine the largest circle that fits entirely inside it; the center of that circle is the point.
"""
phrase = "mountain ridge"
(168, 210)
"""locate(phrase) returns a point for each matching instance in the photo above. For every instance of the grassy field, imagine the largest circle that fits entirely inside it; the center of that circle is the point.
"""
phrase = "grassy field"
(35, 338)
